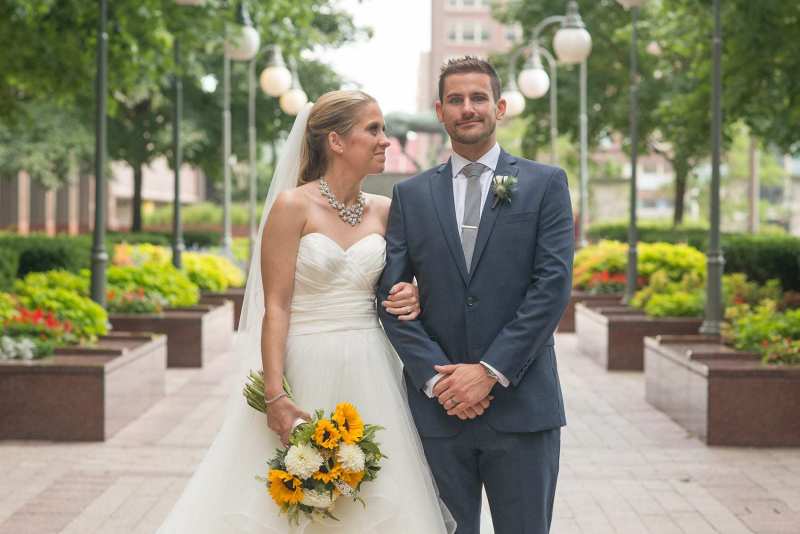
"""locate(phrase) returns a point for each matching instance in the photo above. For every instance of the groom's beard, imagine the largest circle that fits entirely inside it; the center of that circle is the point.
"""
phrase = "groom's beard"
(473, 138)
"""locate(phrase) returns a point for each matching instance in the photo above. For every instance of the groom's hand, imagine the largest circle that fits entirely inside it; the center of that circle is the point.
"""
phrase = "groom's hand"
(403, 301)
(463, 387)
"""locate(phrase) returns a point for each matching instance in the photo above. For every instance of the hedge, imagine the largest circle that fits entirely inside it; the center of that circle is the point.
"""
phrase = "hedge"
(9, 264)
(760, 256)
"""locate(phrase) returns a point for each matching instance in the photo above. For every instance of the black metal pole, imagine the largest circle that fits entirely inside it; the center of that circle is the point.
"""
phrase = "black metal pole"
(177, 228)
(633, 238)
(99, 255)
(714, 313)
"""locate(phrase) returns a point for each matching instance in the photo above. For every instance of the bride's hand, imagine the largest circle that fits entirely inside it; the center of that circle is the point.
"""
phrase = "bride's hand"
(403, 301)
(281, 416)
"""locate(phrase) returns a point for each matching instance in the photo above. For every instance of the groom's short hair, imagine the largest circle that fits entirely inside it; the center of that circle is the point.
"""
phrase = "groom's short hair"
(466, 64)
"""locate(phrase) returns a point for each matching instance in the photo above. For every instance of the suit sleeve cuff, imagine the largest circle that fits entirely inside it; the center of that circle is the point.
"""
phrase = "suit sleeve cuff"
(430, 384)
(501, 378)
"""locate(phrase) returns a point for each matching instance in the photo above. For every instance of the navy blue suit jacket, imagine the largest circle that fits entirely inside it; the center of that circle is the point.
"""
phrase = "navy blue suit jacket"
(502, 310)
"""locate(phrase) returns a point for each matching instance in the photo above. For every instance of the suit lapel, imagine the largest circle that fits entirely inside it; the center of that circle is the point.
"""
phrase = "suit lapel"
(506, 166)
(442, 193)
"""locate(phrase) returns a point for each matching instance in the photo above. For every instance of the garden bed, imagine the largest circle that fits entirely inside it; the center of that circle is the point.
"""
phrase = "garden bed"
(82, 393)
(195, 334)
(724, 396)
(567, 323)
(234, 294)
(614, 335)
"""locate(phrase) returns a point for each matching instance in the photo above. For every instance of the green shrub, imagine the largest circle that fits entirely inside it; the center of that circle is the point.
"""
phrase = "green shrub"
(203, 213)
(676, 259)
(760, 257)
(88, 319)
(38, 253)
(603, 264)
(765, 330)
(663, 297)
(138, 301)
(650, 232)
(154, 238)
(763, 257)
(56, 280)
(9, 264)
(677, 304)
(8, 306)
(164, 280)
(212, 272)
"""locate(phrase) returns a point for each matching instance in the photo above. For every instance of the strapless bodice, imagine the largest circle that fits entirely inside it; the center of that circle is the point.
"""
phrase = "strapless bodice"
(334, 288)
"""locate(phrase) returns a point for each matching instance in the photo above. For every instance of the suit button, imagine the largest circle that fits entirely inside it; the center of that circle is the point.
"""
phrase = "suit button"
(471, 301)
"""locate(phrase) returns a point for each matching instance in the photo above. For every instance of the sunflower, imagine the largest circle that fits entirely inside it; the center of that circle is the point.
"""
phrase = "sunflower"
(326, 435)
(349, 422)
(352, 479)
(329, 471)
(284, 488)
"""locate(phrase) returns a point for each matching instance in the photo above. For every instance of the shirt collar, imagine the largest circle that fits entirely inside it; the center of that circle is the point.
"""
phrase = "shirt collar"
(489, 159)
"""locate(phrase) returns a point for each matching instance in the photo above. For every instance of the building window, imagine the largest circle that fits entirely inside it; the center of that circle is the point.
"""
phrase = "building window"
(469, 5)
(452, 34)
(468, 32)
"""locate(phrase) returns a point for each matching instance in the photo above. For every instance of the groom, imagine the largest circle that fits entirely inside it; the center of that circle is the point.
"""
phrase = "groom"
(493, 266)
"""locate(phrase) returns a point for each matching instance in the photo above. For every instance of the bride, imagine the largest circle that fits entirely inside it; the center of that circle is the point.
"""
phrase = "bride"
(322, 251)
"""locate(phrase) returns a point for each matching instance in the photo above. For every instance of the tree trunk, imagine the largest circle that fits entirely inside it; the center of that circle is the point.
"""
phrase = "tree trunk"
(681, 168)
(136, 204)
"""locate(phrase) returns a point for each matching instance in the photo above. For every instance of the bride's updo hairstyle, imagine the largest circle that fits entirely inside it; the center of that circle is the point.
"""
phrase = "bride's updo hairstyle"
(336, 111)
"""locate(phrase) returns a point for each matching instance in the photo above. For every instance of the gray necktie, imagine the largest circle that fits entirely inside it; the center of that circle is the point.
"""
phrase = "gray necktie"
(472, 209)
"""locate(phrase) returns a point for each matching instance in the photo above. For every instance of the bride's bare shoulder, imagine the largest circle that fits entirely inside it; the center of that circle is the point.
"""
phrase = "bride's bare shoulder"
(290, 208)
(381, 204)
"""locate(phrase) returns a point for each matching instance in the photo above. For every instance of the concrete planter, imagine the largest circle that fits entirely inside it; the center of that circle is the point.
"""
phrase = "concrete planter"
(614, 335)
(82, 393)
(234, 294)
(567, 323)
(724, 396)
(194, 334)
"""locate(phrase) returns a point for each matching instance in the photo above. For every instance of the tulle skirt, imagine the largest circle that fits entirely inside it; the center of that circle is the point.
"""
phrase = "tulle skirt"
(323, 368)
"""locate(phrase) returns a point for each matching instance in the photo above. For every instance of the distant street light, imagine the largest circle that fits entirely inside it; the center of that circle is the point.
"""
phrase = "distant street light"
(293, 100)
(633, 237)
(535, 83)
(573, 44)
(241, 44)
(276, 78)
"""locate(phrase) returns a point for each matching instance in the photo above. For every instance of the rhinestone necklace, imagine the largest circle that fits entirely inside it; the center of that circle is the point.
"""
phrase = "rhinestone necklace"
(351, 215)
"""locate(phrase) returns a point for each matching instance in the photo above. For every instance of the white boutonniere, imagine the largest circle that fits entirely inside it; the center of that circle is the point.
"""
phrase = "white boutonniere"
(503, 188)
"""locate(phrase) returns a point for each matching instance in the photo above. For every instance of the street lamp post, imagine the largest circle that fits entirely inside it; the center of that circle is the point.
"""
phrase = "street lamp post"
(99, 254)
(241, 44)
(534, 82)
(177, 229)
(178, 245)
(275, 80)
(573, 44)
(713, 314)
(633, 238)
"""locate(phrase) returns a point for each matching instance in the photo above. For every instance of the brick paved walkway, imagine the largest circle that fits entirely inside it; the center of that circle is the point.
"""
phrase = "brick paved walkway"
(625, 467)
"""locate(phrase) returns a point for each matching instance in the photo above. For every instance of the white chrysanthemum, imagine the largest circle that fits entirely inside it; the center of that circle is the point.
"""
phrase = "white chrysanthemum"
(317, 499)
(303, 460)
(351, 457)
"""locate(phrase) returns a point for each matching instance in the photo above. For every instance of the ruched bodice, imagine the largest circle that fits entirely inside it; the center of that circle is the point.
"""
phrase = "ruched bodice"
(334, 288)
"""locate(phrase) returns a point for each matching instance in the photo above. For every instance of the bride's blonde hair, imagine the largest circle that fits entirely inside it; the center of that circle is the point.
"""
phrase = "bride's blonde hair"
(336, 111)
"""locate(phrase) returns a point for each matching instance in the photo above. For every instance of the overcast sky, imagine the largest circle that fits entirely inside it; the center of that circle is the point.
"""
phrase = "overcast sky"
(386, 66)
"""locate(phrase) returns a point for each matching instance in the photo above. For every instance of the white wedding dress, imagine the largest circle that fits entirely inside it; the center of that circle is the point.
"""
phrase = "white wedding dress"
(336, 352)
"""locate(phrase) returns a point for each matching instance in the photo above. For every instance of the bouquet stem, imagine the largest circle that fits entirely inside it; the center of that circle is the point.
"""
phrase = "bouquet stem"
(254, 391)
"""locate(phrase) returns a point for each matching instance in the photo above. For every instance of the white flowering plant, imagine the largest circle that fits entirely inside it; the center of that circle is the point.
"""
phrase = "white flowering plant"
(327, 457)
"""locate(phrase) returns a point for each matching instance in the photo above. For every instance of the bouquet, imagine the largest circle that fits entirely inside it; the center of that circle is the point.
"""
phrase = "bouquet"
(327, 457)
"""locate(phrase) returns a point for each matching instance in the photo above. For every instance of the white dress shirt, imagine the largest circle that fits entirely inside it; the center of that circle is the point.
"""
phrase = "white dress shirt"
(457, 162)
